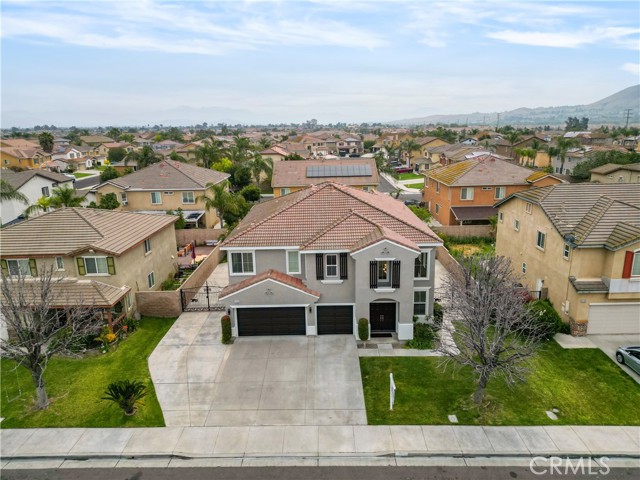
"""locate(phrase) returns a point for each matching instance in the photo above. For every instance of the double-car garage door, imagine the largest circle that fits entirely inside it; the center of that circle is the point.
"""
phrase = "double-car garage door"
(614, 319)
(332, 319)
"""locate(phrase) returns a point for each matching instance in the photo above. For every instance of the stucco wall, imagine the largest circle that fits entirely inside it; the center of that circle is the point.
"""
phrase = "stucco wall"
(199, 235)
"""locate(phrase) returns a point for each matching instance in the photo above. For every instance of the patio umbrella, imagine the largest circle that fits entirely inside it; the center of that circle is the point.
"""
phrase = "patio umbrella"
(193, 251)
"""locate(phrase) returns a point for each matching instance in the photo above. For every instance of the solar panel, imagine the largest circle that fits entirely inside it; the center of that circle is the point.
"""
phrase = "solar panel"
(320, 171)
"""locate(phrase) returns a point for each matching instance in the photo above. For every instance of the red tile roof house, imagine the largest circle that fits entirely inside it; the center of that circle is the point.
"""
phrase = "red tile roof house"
(315, 261)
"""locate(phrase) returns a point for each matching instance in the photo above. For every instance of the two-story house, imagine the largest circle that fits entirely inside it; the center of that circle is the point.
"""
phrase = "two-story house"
(315, 261)
(103, 255)
(167, 185)
(615, 173)
(33, 184)
(22, 156)
(580, 245)
(464, 193)
(292, 176)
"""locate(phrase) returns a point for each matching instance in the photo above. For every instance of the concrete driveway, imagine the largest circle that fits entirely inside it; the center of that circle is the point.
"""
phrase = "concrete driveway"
(610, 343)
(257, 380)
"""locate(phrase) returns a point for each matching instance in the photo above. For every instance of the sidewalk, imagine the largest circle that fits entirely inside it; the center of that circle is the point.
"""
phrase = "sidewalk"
(398, 184)
(163, 445)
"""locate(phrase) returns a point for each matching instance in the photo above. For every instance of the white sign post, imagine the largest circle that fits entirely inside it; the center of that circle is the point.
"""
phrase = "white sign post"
(392, 391)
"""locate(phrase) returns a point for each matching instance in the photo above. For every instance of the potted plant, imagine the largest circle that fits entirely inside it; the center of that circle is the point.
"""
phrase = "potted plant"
(126, 394)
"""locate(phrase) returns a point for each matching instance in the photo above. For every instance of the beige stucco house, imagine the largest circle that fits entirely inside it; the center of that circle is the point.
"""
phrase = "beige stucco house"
(164, 186)
(105, 256)
(580, 245)
(614, 173)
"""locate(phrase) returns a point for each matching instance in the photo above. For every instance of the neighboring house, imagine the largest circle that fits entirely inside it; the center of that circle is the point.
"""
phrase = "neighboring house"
(105, 256)
(420, 159)
(317, 260)
(291, 176)
(614, 173)
(349, 146)
(95, 140)
(275, 153)
(444, 155)
(464, 193)
(579, 244)
(166, 185)
(590, 138)
(575, 156)
(166, 145)
(23, 157)
(104, 148)
(69, 153)
(33, 184)
(122, 166)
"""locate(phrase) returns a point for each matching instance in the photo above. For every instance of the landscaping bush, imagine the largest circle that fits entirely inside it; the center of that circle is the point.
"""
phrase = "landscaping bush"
(363, 329)
(226, 329)
(126, 394)
(547, 318)
(438, 315)
(423, 337)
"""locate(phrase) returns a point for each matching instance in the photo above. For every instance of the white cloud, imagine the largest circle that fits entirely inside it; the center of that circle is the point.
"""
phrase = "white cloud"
(617, 36)
(633, 68)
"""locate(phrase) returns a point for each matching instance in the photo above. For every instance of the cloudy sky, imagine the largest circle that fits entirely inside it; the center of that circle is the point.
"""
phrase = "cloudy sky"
(139, 62)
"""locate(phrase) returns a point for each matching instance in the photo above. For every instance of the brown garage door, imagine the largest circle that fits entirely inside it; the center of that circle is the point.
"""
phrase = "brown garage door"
(271, 321)
(335, 320)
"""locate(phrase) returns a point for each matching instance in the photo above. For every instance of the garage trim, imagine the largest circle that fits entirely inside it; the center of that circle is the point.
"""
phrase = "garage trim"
(353, 314)
(235, 330)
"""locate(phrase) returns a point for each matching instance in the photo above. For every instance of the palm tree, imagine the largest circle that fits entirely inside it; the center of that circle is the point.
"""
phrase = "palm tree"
(563, 145)
(383, 164)
(7, 192)
(211, 151)
(409, 146)
(260, 165)
(221, 200)
(512, 138)
(264, 143)
(391, 150)
(143, 158)
(65, 196)
(176, 157)
(46, 141)
(42, 205)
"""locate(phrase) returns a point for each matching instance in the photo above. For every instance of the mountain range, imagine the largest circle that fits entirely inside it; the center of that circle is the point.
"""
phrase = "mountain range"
(611, 110)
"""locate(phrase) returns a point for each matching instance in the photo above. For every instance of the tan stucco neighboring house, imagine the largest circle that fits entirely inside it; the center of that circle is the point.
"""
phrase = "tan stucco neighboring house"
(22, 153)
(614, 173)
(167, 185)
(105, 256)
(294, 175)
(580, 245)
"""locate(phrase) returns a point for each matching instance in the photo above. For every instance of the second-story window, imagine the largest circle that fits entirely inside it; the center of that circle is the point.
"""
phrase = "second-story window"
(466, 193)
(565, 251)
(437, 187)
(96, 265)
(18, 266)
(541, 239)
(421, 269)
(285, 191)
(188, 198)
(499, 193)
(293, 261)
(635, 266)
(332, 266)
(147, 246)
(242, 263)
(384, 273)
(516, 225)
(59, 264)
(45, 192)
(528, 208)
(123, 198)
(156, 198)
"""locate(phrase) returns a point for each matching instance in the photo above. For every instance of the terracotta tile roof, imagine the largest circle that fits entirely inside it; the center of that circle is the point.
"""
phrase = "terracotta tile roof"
(18, 143)
(24, 152)
(169, 175)
(268, 275)
(68, 293)
(69, 230)
(596, 215)
(482, 170)
(96, 139)
(302, 217)
(18, 179)
(294, 173)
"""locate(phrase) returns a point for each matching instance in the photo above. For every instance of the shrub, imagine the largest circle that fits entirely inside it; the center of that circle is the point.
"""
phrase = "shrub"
(251, 193)
(226, 329)
(363, 329)
(423, 337)
(438, 315)
(131, 324)
(126, 394)
(547, 319)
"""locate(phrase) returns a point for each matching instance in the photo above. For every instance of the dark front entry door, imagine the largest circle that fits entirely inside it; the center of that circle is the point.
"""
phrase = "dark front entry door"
(382, 317)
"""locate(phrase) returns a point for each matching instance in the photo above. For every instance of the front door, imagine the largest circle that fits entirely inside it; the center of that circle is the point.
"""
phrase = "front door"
(382, 317)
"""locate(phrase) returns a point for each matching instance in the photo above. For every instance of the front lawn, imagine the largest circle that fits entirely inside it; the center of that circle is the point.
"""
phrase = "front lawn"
(410, 176)
(417, 186)
(76, 386)
(82, 175)
(584, 384)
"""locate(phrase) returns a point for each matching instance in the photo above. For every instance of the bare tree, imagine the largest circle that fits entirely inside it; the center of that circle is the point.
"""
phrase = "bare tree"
(494, 332)
(39, 325)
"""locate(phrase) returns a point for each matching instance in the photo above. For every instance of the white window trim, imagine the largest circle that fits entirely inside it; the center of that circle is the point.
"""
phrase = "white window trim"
(516, 224)
(27, 273)
(285, 191)
(566, 248)
(189, 203)
(636, 255)
(502, 190)
(123, 198)
(147, 252)
(467, 189)
(524, 267)
(58, 269)
(384, 290)
(151, 274)
(160, 197)
(242, 274)
(500, 217)
(428, 254)
(86, 270)
(326, 267)
(426, 301)
(544, 240)
(529, 208)
(289, 271)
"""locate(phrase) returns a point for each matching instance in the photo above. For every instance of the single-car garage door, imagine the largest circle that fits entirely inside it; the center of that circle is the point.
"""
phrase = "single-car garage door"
(335, 319)
(271, 321)
(614, 318)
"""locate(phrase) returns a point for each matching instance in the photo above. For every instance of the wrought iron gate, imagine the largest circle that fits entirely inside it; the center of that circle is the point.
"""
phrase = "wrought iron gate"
(204, 298)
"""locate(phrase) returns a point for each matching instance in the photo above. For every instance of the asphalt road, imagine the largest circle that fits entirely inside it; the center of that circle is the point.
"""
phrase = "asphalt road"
(86, 182)
(307, 473)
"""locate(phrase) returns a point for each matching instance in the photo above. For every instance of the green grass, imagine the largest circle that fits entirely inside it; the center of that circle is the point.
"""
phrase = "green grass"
(410, 176)
(415, 185)
(81, 175)
(584, 384)
(76, 386)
